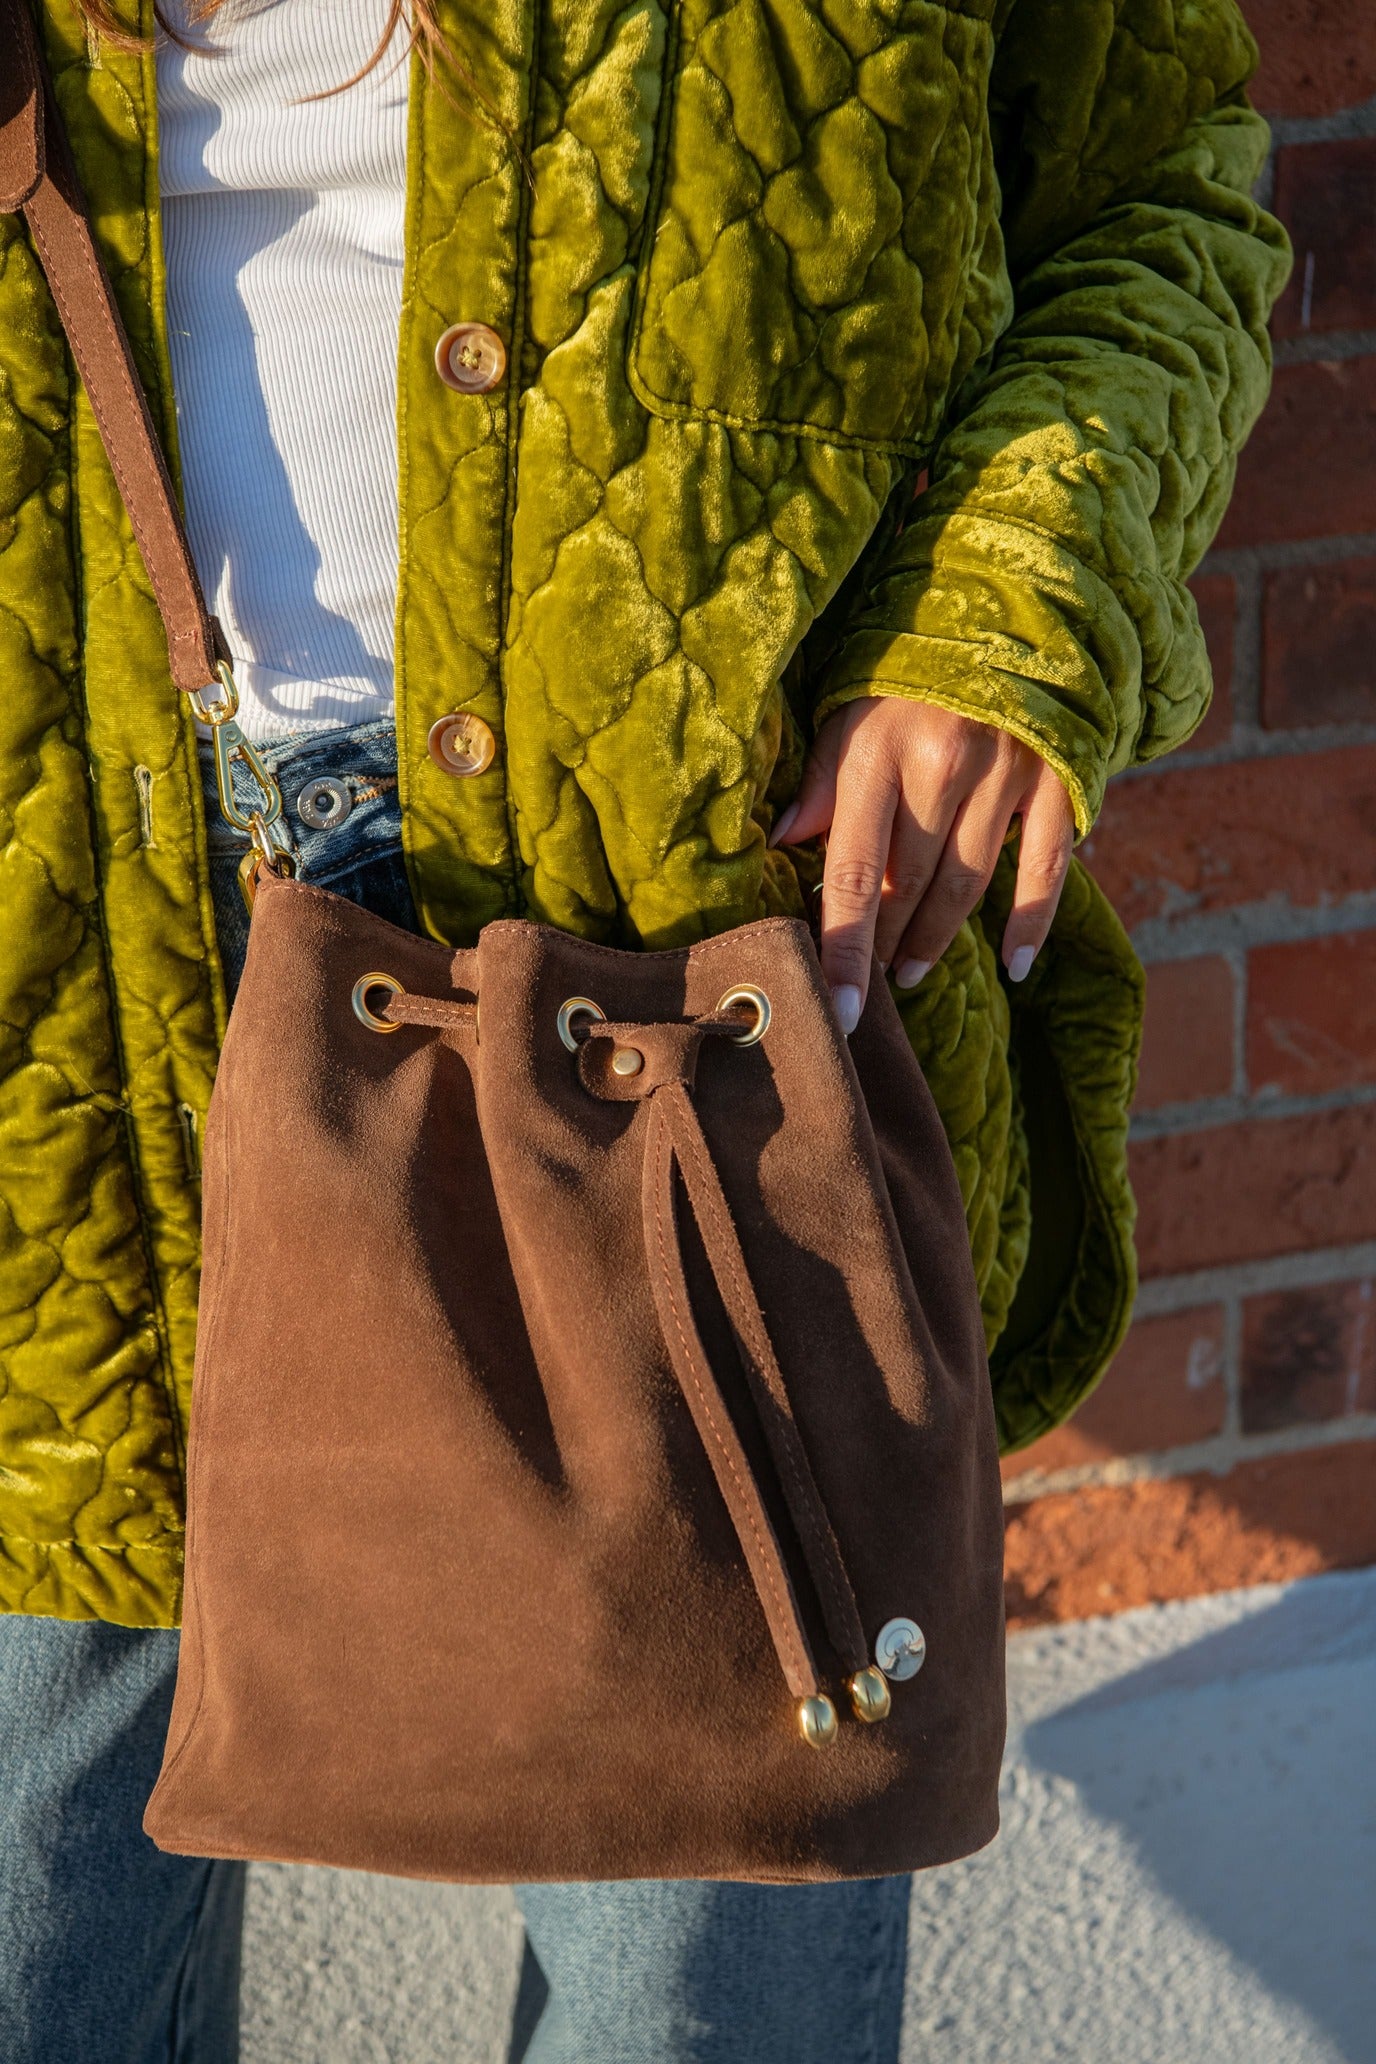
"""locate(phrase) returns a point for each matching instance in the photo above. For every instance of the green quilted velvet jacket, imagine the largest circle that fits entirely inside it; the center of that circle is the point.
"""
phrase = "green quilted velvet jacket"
(757, 264)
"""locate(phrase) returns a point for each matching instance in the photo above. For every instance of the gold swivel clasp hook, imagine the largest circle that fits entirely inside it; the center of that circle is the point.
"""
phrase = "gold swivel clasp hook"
(265, 848)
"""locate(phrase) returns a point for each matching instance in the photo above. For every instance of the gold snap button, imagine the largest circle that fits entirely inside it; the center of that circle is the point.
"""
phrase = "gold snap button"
(627, 1060)
(470, 358)
(462, 743)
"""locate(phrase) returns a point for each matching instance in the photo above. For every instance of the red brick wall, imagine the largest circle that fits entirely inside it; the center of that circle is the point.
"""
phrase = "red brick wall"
(1234, 1439)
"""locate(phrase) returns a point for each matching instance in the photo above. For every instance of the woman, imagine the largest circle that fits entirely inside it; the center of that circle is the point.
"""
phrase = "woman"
(686, 300)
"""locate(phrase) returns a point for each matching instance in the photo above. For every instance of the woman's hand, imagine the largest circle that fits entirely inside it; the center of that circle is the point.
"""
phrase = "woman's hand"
(918, 802)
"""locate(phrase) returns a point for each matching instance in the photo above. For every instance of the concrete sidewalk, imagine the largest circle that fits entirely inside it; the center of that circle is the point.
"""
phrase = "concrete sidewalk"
(1186, 1874)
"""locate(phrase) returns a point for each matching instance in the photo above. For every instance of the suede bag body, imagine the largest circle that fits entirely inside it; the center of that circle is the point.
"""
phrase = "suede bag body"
(471, 1594)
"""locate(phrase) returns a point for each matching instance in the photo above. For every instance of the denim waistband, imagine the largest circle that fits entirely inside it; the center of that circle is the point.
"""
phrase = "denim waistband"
(362, 758)
(341, 822)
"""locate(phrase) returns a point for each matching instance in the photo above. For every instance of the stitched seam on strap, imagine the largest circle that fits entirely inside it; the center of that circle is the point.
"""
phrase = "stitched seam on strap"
(176, 639)
(443, 1014)
(771, 1574)
(59, 294)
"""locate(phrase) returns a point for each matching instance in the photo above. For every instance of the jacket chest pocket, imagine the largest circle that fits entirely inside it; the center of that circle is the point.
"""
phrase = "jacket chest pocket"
(821, 173)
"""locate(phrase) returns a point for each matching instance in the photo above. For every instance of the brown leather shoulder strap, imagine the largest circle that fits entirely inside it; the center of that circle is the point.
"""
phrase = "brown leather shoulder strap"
(21, 118)
(37, 174)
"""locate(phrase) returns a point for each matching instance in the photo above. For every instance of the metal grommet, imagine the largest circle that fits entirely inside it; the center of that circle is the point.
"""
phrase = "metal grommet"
(577, 1007)
(748, 993)
(360, 1001)
(323, 803)
(900, 1649)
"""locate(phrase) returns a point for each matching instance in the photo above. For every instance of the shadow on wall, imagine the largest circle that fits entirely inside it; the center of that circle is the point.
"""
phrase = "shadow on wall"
(1240, 1770)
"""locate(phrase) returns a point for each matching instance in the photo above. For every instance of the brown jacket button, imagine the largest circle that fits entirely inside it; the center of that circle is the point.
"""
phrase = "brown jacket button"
(462, 743)
(470, 358)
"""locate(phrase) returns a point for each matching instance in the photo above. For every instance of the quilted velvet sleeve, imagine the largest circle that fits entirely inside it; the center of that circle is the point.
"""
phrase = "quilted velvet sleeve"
(1085, 465)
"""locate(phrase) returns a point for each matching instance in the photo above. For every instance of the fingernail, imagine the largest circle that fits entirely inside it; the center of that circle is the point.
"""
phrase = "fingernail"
(846, 998)
(909, 973)
(782, 825)
(1020, 963)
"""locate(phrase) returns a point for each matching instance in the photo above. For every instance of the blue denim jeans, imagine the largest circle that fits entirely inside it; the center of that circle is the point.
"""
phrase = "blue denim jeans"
(340, 818)
(111, 1953)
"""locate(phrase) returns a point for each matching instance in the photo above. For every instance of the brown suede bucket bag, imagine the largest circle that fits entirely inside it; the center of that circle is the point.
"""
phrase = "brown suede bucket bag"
(600, 1480)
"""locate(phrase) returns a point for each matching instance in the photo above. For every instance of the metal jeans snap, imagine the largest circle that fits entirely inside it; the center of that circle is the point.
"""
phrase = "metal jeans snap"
(900, 1649)
(324, 803)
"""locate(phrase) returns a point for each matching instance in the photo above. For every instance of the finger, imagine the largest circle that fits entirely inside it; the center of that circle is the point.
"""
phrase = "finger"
(810, 812)
(1048, 838)
(962, 875)
(933, 790)
(857, 855)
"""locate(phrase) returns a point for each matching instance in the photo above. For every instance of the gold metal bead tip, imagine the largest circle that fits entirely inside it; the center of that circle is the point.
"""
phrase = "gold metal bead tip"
(817, 1721)
(870, 1696)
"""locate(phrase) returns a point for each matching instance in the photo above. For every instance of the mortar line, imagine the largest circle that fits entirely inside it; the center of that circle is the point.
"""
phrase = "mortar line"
(1340, 126)
(1247, 638)
(1273, 555)
(1232, 1367)
(1252, 742)
(1209, 1113)
(1215, 1457)
(1309, 1269)
(1273, 922)
(1237, 959)
(1323, 347)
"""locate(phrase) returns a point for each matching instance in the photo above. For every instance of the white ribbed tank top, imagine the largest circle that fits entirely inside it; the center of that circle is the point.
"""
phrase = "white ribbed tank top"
(284, 232)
